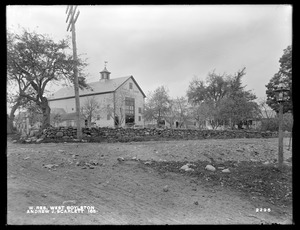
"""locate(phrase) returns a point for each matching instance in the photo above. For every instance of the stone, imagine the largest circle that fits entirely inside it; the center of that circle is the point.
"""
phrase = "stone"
(266, 162)
(210, 168)
(59, 134)
(26, 158)
(14, 141)
(133, 158)
(184, 167)
(166, 188)
(39, 140)
(49, 166)
(61, 151)
(226, 171)
(196, 203)
(221, 167)
(28, 140)
(147, 163)
(120, 159)
(189, 170)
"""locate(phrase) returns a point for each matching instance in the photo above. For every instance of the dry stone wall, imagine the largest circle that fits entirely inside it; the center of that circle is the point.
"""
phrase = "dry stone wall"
(145, 134)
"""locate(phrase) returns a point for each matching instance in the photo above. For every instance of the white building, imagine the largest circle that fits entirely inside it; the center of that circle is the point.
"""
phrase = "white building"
(120, 101)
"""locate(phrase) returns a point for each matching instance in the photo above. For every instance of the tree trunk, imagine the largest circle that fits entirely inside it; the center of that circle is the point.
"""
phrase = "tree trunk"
(46, 113)
(12, 115)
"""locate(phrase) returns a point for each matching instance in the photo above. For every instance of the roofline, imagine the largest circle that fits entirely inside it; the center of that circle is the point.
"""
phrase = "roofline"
(84, 95)
(134, 82)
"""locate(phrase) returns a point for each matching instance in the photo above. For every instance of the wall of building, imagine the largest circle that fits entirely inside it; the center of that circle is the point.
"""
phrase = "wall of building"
(106, 114)
(125, 91)
(103, 99)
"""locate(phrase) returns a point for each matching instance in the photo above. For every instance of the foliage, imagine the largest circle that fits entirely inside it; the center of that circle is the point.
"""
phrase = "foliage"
(157, 104)
(284, 75)
(33, 61)
(223, 99)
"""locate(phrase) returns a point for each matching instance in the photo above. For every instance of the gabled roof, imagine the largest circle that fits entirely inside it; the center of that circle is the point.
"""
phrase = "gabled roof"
(98, 87)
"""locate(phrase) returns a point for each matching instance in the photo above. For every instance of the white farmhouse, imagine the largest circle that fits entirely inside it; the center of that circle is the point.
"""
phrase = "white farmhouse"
(120, 102)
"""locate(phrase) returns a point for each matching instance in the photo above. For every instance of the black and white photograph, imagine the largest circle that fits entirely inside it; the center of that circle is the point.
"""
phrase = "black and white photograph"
(149, 114)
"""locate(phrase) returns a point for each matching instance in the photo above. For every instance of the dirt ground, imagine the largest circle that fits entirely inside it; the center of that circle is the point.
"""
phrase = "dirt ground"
(117, 192)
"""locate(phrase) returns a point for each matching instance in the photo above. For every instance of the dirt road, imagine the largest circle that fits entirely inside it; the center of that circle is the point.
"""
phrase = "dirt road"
(130, 192)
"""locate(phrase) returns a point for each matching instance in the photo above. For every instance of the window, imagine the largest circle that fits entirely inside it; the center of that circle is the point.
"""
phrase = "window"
(72, 109)
(108, 116)
(129, 105)
(129, 110)
(140, 110)
(130, 85)
(140, 118)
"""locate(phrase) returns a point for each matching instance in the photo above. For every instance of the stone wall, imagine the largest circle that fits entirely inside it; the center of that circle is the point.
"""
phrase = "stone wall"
(146, 134)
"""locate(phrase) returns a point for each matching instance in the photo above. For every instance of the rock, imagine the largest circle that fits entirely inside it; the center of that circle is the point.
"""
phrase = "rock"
(59, 134)
(166, 188)
(84, 167)
(26, 158)
(189, 164)
(69, 202)
(61, 151)
(49, 166)
(266, 162)
(133, 158)
(28, 140)
(93, 162)
(189, 170)
(147, 163)
(221, 167)
(120, 159)
(226, 171)
(44, 195)
(14, 141)
(210, 168)
(39, 140)
(91, 167)
(196, 203)
(184, 167)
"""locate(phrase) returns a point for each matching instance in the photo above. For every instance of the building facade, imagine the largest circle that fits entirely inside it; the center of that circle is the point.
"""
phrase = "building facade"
(116, 102)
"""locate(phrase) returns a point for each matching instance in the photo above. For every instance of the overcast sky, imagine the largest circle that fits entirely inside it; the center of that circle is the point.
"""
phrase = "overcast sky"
(170, 44)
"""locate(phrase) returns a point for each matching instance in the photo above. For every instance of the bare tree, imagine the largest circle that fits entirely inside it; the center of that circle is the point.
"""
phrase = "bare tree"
(115, 107)
(90, 109)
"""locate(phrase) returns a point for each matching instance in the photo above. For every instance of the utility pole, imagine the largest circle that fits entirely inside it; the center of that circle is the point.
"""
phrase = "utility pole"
(280, 136)
(71, 26)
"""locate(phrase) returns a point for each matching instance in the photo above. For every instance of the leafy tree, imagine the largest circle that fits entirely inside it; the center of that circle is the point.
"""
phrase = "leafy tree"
(157, 105)
(224, 99)
(214, 89)
(238, 106)
(284, 75)
(33, 61)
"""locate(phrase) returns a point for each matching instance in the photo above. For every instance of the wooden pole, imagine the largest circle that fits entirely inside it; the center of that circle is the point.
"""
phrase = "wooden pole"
(76, 87)
(280, 136)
